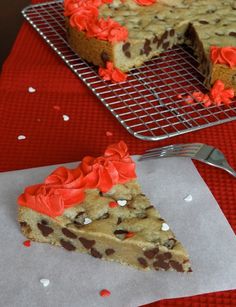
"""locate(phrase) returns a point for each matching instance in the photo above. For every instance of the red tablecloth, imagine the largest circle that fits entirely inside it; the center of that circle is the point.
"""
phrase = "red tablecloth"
(51, 140)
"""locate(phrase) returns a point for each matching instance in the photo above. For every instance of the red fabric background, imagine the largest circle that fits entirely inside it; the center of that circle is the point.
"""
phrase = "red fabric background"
(50, 140)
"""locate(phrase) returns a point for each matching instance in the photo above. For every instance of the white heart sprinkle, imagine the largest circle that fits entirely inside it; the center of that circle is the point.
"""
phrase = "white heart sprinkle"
(87, 221)
(188, 198)
(122, 202)
(65, 117)
(165, 227)
(45, 282)
(21, 137)
(31, 89)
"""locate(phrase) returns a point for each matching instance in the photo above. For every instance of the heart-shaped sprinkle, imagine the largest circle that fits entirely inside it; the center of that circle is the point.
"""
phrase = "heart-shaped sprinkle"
(188, 198)
(87, 221)
(65, 117)
(31, 89)
(45, 282)
(122, 202)
(113, 204)
(21, 137)
(108, 133)
(27, 243)
(57, 108)
(165, 227)
(105, 292)
(129, 234)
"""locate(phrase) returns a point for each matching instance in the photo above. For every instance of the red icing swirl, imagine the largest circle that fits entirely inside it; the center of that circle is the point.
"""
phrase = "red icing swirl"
(224, 55)
(84, 16)
(145, 2)
(114, 167)
(112, 73)
(218, 95)
(65, 188)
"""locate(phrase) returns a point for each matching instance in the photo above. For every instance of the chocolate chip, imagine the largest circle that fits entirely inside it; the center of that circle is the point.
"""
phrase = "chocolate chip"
(44, 222)
(155, 39)
(161, 264)
(128, 54)
(95, 253)
(68, 233)
(233, 79)
(203, 22)
(126, 46)
(67, 245)
(165, 35)
(120, 233)
(87, 243)
(172, 32)
(146, 47)
(232, 34)
(151, 253)
(149, 207)
(104, 216)
(23, 224)
(167, 255)
(143, 262)
(166, 45)
(80, 218)
(45, 230)
(170, 243)
(109, 251)
(176, 265)
(119, 220)
(105, 57)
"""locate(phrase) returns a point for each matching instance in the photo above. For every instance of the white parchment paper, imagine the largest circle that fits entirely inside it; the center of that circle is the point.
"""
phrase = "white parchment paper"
(76, 279)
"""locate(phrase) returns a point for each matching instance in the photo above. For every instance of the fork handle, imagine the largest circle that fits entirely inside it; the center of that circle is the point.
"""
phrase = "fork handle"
(228, 169)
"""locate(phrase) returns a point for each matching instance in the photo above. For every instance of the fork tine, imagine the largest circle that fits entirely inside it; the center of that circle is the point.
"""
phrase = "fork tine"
(184, 150)
(194, 146)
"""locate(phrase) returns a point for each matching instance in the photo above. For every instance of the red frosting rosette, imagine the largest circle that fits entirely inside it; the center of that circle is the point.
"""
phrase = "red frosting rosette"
(62, 189)
(65, 187)
(112, 73)
(224, 55)
(84, 16)
(114, 167)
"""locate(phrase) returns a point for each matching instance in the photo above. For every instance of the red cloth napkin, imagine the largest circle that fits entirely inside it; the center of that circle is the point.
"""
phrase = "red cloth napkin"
(49, 139)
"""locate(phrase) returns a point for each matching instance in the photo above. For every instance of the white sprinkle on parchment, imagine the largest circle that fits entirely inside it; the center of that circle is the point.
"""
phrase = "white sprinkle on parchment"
(45, 282)
(188, 198)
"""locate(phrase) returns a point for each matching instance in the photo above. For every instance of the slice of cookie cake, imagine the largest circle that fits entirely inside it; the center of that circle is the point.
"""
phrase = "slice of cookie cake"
(99, 208)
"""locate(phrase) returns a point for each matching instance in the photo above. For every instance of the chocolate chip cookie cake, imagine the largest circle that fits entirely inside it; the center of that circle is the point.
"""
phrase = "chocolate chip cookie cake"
(99, 208)
(129, 32)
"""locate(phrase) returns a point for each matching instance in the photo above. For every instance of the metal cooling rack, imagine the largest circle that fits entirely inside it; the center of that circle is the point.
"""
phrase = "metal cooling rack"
(147, 104)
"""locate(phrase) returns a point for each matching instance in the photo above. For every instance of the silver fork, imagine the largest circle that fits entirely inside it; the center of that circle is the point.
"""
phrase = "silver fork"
(198, 151)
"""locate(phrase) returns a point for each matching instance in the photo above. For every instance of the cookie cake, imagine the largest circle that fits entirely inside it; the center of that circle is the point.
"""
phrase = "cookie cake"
(123, 34)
